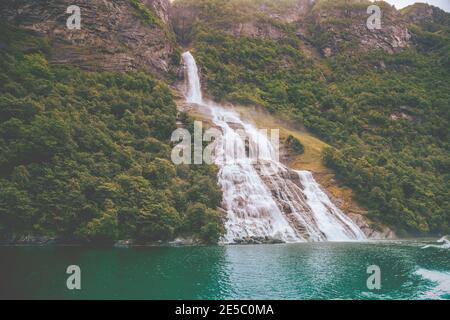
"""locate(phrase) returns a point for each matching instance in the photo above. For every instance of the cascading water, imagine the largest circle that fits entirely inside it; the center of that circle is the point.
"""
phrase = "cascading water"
(194, 90)
(263, 198)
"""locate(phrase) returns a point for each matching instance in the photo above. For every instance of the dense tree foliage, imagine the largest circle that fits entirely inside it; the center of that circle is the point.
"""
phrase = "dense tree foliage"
(86, 156)
(387, 116)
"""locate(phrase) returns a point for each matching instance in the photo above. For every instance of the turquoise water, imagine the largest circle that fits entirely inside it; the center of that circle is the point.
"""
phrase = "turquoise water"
(284, 271)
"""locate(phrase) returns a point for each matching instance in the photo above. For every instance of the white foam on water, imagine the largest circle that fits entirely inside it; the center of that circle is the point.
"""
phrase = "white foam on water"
(445, 244)
(441, 282)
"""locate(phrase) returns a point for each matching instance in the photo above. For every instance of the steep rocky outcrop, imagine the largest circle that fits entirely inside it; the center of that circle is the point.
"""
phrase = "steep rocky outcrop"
(419, 13)
(424, 14)
(382, 232)
(269, 21)
(331, 26)
(161, 8)
(341, 26)
(120, 35)
(260, 19)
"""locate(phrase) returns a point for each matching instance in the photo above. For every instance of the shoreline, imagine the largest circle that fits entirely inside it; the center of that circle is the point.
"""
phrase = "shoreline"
(174, 244)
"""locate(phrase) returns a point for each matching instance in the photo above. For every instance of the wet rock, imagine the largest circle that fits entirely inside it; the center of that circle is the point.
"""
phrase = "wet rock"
(182, 242)
(257, 240)
(32, 240)
(384, 233)
(124, 243)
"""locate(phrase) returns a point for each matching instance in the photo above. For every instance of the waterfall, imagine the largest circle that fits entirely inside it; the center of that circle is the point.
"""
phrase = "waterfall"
(194, 92)
(263, 198)
(336, 225)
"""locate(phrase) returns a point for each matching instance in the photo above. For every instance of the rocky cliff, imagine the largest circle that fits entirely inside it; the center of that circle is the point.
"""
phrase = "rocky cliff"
(341, 26)
(331, 26)
(262, 19)
(126, 35)
(425, 15)
(120, 35)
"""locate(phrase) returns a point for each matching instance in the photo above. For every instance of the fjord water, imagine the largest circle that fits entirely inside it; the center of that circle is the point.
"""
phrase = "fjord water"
(264, 198)
(313, 270)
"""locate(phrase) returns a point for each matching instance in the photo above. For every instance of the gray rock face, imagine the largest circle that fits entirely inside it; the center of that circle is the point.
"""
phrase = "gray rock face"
(161, 8)
(30, 239)
(330, 27)
(124, 243)
(257, 240)
(344, 28)
(421, 13)
(257, 30)
(384, 234)
(268, 28)
(114, 35)
(256, 20)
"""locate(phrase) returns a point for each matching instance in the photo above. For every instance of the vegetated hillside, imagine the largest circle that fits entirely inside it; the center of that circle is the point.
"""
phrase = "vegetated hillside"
(86, 156)
(381, 98)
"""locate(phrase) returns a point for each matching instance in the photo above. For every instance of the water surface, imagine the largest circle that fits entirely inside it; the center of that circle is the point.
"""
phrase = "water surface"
(284, 271)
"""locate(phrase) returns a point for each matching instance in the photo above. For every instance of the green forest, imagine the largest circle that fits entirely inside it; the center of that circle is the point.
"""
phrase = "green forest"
(85, 156)
(386, 115)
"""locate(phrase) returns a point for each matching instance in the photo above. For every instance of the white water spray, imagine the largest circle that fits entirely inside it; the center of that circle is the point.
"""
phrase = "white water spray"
(263, 198)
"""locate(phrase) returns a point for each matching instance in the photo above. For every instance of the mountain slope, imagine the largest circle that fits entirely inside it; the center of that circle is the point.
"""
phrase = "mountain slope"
(85, 149)
(380, 99)
(85, 156)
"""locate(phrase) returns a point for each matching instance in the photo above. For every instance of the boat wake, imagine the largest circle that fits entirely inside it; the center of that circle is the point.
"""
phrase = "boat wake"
(444, 244)
(441, 283)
